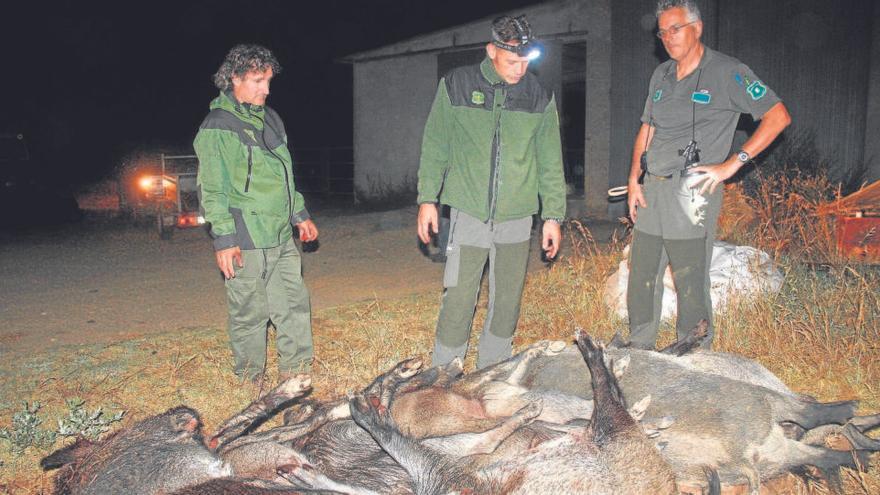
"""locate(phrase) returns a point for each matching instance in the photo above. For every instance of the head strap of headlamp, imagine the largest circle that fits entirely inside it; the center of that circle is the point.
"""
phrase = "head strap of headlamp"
(525, 38)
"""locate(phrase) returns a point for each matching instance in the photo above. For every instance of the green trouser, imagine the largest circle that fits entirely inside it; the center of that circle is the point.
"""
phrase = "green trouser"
(471, 245)
(269, 288)
(677, 228)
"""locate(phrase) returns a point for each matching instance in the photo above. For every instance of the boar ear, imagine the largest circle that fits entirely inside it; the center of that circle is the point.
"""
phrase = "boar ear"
(185, 422)
(620, 366)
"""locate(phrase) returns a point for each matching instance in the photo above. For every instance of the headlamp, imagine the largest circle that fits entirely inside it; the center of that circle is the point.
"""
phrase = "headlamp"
(530, 50)
(528, 46)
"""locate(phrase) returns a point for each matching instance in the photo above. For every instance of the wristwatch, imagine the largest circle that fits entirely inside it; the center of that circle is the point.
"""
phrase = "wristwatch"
(743, 156)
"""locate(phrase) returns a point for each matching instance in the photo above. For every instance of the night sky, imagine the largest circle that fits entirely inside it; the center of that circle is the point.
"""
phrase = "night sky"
(88, 82)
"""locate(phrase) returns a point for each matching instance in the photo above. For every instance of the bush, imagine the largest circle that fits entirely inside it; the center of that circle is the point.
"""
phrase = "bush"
(26, 432)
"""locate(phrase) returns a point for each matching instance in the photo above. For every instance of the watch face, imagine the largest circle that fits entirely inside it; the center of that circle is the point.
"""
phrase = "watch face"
(742, 156)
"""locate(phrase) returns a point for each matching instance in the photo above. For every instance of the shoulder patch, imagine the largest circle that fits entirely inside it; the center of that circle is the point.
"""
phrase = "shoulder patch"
(658, 94)
(756, 90)
(478, 98)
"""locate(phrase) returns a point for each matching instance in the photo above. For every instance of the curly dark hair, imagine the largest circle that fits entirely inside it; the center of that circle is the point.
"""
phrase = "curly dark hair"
(504, 28)
(243, 59)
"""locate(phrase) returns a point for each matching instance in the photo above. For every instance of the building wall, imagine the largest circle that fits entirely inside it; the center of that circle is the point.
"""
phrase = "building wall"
(395, 85)
(392, 98)
(872, 126)
(816, 55)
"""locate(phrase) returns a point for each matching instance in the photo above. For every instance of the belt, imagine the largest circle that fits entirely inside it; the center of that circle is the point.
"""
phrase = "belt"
(662, 177)
(683, 173)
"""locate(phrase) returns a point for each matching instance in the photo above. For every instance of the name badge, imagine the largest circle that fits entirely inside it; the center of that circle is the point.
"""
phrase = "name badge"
(701, 97)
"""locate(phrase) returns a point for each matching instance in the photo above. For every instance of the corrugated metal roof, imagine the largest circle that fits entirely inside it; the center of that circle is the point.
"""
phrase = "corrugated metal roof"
(550, 19)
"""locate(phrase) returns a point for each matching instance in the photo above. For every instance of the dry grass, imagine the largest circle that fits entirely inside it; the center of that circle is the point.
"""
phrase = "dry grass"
(820, 334)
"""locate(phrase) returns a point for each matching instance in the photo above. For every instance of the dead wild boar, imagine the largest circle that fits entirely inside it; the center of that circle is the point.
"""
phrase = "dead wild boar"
(612, 455)
(160, 454)
(737, 424)
(341, 450)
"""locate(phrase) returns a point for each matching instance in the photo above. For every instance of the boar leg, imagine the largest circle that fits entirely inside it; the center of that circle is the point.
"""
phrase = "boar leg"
(260, 410)
(855, 440)
(866, 423)
(692, 341)
(438, 376)
(288, 433)
(510, 371)
(465, 444)
(542, 348)
(609, 413)
(812, 414)
(797, 454)
(384, 385)
(305, 476)
(430, 472)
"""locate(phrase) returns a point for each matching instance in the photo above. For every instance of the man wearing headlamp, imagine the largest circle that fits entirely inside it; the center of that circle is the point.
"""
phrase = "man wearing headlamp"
(491, 151)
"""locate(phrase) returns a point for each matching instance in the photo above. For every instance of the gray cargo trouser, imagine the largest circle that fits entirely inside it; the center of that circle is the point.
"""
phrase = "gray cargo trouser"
(269, 288)
(471, 243)
(678, 228)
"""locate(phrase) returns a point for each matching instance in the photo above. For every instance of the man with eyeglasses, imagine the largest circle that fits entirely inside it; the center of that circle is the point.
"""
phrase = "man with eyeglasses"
(681, 155)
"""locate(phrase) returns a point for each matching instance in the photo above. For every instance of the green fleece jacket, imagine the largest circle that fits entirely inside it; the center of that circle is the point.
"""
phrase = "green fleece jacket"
(245, 177)
(492, 149)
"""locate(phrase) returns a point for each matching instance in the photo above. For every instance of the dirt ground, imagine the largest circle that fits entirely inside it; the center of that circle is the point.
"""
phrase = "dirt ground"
(105, 280)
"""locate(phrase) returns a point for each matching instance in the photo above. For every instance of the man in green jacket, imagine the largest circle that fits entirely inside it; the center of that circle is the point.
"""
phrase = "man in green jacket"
(248, 196)
(491, 151)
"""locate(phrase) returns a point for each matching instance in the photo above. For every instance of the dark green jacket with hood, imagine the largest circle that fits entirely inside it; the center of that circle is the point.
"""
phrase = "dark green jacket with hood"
(246, 176)
(492, 149)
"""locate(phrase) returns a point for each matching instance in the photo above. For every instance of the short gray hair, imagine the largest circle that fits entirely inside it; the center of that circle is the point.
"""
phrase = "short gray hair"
(690, 6)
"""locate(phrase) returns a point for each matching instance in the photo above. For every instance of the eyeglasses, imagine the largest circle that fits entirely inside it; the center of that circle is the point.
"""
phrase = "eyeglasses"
(673, 30)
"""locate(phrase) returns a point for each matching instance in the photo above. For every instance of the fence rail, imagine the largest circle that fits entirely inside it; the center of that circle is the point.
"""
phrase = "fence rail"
(326, 171)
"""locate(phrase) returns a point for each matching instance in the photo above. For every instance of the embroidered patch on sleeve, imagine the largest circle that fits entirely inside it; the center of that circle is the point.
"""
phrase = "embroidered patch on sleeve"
(478, 98)
(658, 94)
(756, 90)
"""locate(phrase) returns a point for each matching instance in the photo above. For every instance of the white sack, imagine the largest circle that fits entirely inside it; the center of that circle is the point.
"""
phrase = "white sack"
(735, 271)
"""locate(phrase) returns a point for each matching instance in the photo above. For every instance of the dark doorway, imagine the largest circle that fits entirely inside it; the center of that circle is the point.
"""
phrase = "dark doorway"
(573, 113)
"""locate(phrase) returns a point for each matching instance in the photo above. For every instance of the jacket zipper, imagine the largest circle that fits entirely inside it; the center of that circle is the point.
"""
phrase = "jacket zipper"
(283, 167)
(496, 169)
(247, 183)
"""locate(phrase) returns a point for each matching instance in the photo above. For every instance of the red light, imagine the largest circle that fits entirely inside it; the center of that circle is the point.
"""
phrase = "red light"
(188, 220)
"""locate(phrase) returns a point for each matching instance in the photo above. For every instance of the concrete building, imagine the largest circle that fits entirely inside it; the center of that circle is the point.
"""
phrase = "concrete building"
(819, 56)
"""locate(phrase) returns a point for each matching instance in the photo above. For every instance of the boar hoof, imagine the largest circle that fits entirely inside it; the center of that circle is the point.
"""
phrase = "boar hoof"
(296, 384)
(637, 411)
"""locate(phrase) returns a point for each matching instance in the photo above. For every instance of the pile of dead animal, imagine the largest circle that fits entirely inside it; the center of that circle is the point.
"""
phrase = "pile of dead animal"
(554, 419)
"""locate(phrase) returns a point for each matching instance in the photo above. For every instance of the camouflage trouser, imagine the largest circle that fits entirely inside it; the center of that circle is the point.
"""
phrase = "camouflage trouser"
(471, 243)
(678, 228)
(269, 288)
